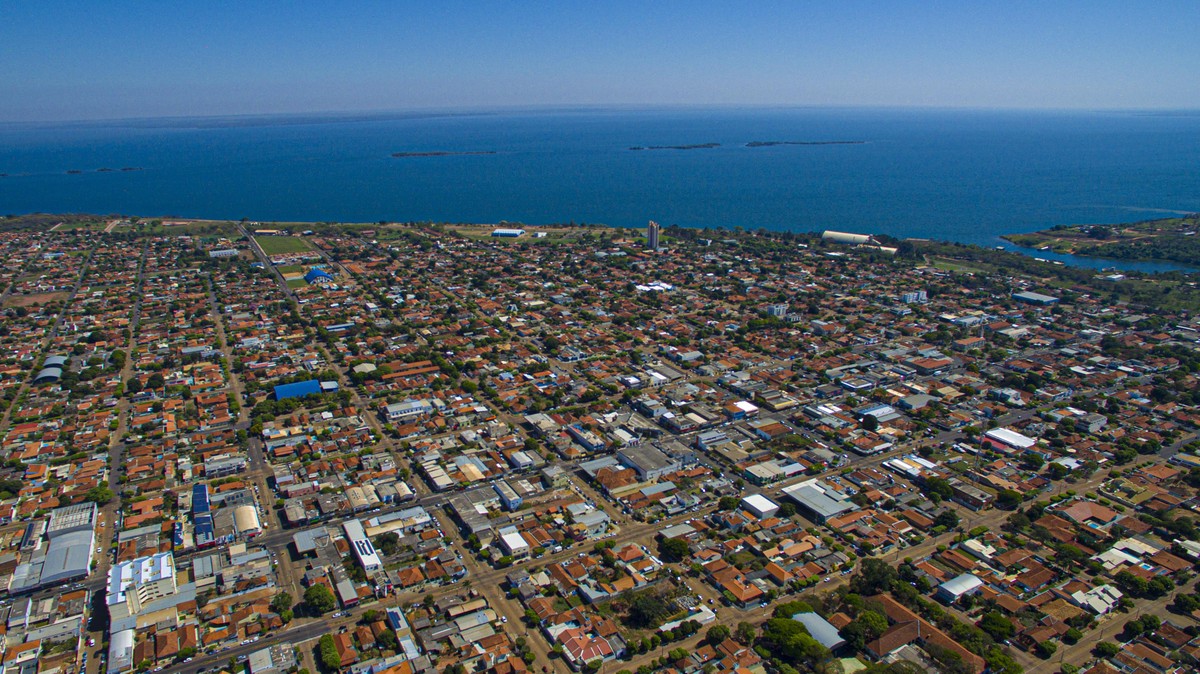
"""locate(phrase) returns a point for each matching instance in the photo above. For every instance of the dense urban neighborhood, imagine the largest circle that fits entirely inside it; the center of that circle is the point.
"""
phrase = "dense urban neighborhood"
(268, 448)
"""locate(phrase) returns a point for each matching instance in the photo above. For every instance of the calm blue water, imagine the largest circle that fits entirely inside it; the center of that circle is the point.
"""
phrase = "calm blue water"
(958, 175)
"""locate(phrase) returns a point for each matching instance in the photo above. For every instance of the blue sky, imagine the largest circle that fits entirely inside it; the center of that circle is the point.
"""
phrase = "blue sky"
(145, 59)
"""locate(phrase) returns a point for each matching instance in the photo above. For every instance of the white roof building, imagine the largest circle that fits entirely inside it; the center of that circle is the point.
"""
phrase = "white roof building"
(760, 505)
(363, 550)
(1011, 438)
(137, 582)
(1099, 600)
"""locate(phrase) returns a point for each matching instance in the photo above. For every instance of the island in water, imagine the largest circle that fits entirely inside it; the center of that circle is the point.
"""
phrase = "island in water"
(698, 146)
(442, 153)
(1166, 239)
(772, 143)
(105, 169)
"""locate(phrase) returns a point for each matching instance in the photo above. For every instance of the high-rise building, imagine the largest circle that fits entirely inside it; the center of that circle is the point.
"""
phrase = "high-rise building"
(652, 235)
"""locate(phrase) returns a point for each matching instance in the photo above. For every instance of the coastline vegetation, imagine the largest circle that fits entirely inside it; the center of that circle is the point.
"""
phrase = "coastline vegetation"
(1163, 240)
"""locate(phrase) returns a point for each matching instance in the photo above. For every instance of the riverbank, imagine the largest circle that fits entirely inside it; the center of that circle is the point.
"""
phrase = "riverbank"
(1163, 240)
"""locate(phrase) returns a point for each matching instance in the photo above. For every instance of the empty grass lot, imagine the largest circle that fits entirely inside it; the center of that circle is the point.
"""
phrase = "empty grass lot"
(278, 245)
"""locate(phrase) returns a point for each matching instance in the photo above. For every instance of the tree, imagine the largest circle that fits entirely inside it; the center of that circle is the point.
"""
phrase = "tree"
(1106, 649)
(387, 640)
(787, 640)
(947, 518)
(744, 632)
(995, 624)
(727, 503)
(937, 489)
(647, 609)
(319, 599)
(874, 576)
(1046, 648)
(329, 656)
(673, 549)
(1008, 499)
(787, 509)
(1057, 471)
(717, 634)
(865, 628)
(99, 495)
(281, 602)
(388, 543)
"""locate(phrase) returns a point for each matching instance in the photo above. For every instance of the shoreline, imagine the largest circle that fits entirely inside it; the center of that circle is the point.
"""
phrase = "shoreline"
(1012, 247)
(1172, 241)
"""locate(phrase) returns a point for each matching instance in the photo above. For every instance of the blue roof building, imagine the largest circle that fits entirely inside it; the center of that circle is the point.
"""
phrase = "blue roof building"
(318, 276)
(298, 389)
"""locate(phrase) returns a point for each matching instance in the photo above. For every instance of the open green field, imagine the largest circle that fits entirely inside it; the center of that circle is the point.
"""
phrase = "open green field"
(279, 245)
(291, 269)
(94, 225)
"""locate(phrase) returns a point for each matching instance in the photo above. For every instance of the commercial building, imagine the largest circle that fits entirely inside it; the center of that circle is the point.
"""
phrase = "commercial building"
(1035, 298)
(409, 409)
(136, 583)
(363, 550)
(508, 233)
(958, 587)
(648, 461)
(513, 543)
(760, 506)
(821, 630)
(67, 556)
(298, 389)
(223, 252)
(246, 522)
(1006, 440)
(818, 501)
(508, 496)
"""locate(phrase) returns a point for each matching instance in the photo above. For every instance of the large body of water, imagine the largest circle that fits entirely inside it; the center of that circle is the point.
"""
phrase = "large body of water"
(965, 176)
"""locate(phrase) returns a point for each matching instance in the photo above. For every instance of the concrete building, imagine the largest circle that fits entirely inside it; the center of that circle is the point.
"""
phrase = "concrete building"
(513, 543)
(508, 496)
(1035, 298)
(648, 461)
(136, 583)
(818, 501)
(246, 522)
(409, 409)
(760, 506)
(652, 234)
(361, 545)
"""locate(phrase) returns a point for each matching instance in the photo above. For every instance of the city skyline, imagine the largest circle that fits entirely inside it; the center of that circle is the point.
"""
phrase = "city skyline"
(66, 63)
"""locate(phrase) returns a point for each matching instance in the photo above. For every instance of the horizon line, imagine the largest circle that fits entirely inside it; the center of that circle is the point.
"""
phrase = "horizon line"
(482, 110)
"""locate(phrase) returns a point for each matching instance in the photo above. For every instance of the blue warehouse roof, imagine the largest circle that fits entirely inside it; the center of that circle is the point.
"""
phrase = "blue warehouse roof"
(297, 390)
(315, 275)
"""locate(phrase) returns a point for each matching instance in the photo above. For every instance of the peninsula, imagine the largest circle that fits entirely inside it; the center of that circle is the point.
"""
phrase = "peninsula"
(1167, 239)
